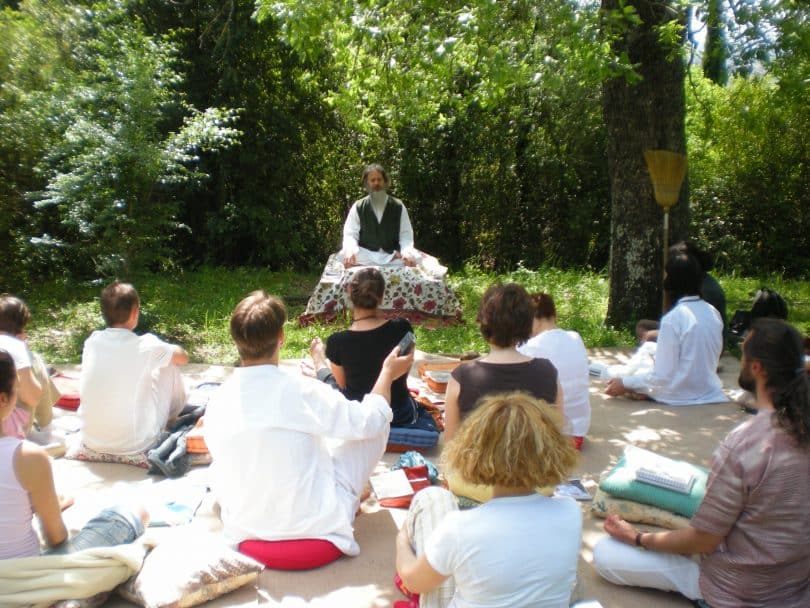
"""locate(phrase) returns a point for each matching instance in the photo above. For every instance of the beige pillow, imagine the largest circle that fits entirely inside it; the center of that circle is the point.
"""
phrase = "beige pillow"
(604, 504)
(188, 570)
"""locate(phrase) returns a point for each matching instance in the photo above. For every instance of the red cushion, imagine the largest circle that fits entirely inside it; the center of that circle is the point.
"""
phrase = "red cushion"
(304, 554)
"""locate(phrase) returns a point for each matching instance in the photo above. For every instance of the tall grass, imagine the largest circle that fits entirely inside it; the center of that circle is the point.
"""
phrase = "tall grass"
(194, 308)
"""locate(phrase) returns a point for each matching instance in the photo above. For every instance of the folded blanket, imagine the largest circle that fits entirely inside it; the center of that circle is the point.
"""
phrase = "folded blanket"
(45, 579)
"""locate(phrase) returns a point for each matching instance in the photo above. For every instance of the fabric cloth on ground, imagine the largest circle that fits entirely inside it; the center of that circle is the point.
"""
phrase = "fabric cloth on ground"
(44, 579)
(498, 553)
(291, 456)
(416, 293)
(478, 379)
(129, 390)
(687, 353)
(566, 351)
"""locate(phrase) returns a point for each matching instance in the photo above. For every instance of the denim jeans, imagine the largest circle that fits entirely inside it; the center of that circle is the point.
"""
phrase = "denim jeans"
(113, 526)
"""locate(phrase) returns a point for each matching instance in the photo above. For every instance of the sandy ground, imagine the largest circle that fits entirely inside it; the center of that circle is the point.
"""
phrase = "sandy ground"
(365, 581)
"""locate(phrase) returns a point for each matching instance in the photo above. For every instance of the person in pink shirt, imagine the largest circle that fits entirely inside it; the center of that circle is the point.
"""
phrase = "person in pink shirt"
(753, 525)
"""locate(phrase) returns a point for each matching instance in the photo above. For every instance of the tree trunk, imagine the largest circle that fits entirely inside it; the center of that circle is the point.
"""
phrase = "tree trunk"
(642, 115)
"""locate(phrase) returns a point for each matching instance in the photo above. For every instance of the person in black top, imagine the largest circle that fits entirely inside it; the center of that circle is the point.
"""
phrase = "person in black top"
(355, 355)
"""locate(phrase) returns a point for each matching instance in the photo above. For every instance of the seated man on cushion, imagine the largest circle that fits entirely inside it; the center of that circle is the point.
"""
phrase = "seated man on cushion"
(130, 385)
(378, 229)
(291, 455)
(689, 344)
(753, 524)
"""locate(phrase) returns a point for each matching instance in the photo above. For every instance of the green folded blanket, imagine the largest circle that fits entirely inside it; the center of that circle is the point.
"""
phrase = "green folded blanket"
(621, 482)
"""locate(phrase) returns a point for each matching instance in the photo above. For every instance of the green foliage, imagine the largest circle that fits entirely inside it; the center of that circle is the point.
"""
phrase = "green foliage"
(194, 309)
(748, 174)
(117, 137)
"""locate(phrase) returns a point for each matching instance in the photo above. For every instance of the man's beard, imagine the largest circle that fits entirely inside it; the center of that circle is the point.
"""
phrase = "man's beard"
(746, 379)
(378, 197)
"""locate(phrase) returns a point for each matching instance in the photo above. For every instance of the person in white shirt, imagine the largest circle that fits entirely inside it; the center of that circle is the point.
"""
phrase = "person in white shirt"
(520, 549)
(37, 392)
(690, 341)
(130, 385)
(291, 455)
(566, 351)
(378, 229)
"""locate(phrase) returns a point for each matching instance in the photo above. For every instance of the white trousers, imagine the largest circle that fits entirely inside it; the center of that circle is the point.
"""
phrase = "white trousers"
(354, 462)
(623, 564)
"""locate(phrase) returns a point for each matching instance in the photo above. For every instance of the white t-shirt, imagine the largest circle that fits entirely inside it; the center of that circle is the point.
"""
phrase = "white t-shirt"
(688, 349)
(17, 349)
(510, 552)
(566, 351)
(269, 435)
(118, 388)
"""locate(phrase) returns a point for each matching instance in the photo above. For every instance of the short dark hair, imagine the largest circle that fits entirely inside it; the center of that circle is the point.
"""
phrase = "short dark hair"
(366, 288)
(256, 325)
(684, 276)
(505, 315)
(543, 305)
(8, 373)
(117, 301)
(14, 314)
(374, 167)
(779, 349)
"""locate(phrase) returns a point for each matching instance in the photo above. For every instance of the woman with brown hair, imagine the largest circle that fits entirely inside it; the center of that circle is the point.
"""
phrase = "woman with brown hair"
(353, 357)
(501, 553)
(505, 318)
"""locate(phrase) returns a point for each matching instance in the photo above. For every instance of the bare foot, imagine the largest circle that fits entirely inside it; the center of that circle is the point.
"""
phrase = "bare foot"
(318, 354)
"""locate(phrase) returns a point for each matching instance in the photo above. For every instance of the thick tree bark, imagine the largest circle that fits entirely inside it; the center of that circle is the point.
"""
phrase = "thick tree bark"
(648, 114)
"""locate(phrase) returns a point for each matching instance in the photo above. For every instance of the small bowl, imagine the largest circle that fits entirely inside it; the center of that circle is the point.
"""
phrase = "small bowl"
(437, 380)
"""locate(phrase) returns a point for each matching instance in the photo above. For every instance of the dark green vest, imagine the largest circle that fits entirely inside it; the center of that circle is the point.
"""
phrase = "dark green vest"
(380, 235)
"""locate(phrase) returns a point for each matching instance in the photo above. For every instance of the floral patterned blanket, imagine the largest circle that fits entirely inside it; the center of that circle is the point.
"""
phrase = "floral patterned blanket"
(413, 293)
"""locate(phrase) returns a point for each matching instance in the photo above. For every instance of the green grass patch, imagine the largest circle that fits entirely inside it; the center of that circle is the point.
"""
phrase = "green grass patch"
(193, 309)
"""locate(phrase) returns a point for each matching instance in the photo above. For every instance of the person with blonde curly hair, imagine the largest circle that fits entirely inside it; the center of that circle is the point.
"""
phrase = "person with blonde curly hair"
(497, 554)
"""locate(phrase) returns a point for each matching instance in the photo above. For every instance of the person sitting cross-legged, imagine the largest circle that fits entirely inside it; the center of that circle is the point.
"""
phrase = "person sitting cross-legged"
(688, 347)
(291, 455)
(130, 385)
(753, 526)
(520, 549)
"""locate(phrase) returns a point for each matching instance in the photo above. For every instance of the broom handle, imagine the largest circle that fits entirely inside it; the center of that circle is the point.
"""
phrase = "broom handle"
(666, 245)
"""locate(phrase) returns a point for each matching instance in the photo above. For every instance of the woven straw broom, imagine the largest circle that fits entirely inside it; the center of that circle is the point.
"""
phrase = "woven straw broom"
(667, 170)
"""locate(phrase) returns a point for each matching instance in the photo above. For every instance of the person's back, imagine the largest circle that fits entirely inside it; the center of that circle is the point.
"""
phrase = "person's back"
(521, 568)
(272, 473)
(361, 353)
(17, 535)
(130, 386)
(119, 408)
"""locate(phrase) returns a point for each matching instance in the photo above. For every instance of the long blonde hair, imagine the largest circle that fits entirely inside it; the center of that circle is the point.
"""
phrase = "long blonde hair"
(512, 440)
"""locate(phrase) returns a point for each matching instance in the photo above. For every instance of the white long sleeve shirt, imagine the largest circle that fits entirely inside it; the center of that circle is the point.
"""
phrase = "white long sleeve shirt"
(269, 434)
(690, 341)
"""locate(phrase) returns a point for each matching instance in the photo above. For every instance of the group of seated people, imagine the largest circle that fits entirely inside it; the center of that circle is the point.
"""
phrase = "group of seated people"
(514, 421)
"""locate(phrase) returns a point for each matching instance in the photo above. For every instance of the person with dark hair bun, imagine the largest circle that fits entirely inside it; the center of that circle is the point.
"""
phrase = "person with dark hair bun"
(688, 348)
(752, 526)
(353, 357)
